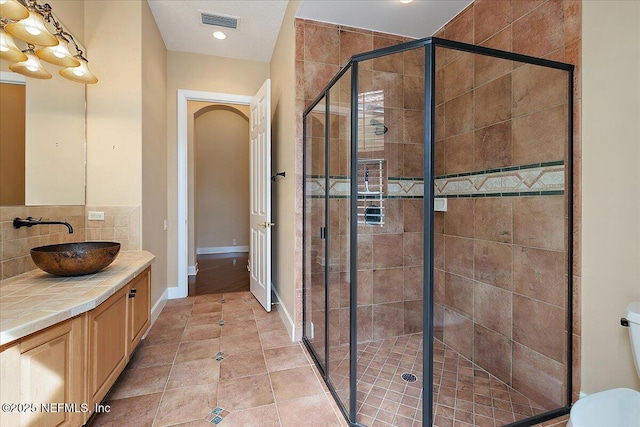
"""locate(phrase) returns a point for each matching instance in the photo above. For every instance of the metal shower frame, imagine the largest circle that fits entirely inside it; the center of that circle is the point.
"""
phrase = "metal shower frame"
(429, 44)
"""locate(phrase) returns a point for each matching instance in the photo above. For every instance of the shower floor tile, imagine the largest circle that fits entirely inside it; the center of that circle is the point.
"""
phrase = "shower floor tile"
(464, 394)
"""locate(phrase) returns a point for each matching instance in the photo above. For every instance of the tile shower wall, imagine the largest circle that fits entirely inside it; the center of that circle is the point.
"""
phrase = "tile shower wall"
(389, 257)
(500, 261)
(389, 275)
(550, 29)
(15, 244)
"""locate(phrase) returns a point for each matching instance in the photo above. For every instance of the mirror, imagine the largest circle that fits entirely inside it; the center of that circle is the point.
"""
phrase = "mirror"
(42, 139)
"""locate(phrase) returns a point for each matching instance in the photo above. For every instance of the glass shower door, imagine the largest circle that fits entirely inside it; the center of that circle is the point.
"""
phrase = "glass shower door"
(327, 231)
(339, 283)
(315, 247)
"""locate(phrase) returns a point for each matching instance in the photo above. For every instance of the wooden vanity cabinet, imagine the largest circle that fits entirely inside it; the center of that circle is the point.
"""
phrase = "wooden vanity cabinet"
(115, 329)
(108, 350)
(55, 377)
(139, 295)
(43, 376)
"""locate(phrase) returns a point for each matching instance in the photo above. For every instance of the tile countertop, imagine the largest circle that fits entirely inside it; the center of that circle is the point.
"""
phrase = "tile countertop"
(36, 300)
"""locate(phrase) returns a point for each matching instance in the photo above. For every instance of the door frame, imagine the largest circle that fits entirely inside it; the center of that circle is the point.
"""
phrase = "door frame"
(182, 290)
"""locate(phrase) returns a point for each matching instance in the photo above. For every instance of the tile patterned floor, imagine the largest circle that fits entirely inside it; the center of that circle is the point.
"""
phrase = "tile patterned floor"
(205, 362)
(385, 398)
(464, 394)
(262, 379)
(467, 395)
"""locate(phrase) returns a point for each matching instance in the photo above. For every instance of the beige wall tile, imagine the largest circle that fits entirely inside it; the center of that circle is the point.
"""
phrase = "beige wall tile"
(15, 244)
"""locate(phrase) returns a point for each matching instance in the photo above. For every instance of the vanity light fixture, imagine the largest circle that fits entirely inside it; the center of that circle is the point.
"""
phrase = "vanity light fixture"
(81, 73)
(8, 48)
(33, 31)
(31, 67)
(59, 54)
(219, 35)
(13, 9)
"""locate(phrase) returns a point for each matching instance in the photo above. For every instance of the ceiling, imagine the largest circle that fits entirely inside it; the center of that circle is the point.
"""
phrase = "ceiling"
(259, 21)
(418, 19)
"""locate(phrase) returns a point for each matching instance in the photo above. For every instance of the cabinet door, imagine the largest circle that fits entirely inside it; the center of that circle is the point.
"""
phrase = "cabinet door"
(107, 344)
(50, 372)
(139, 308)
(10, 383)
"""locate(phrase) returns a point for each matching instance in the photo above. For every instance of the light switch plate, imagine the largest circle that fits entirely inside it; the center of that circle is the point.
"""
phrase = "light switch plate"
(96, 216)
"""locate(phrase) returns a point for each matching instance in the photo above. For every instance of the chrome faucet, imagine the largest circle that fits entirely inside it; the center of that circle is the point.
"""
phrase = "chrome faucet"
(30, 222)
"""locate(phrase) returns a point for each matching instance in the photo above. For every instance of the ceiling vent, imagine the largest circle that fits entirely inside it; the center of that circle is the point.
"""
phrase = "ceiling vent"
(223, 21)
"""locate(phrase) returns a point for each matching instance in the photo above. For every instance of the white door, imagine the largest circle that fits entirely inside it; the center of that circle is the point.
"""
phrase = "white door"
(260, 164)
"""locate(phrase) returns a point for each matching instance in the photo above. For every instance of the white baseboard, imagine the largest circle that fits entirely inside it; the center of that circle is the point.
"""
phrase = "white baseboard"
(192, 270)
(221, 250)
(157, 308)
(284, 315)
(175, 292)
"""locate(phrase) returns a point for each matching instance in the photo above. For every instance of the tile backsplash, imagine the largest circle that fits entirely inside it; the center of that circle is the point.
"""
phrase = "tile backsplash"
(15, 244)
(121, 224)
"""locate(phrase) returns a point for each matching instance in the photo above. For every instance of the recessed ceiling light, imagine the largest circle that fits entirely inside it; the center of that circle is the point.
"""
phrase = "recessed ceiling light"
(219, 35)
(406, 1)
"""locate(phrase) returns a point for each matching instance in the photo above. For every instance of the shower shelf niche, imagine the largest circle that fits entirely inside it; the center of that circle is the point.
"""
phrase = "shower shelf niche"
(371, 184)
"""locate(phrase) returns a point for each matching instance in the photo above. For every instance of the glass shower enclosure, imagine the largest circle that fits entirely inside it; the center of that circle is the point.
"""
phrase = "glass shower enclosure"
(438, 236)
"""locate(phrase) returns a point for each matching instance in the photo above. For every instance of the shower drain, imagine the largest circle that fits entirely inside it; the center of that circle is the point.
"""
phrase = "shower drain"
(410, 378)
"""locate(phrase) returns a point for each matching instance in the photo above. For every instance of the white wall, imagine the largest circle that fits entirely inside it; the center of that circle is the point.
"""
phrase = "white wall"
(114, 114)
(287, 192)
(126, 117)
(202, 73)
(154, 152)
(611, 189)
(222, 176)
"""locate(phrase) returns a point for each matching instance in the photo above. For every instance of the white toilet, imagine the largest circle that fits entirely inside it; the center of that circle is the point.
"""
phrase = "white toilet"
(619, 407)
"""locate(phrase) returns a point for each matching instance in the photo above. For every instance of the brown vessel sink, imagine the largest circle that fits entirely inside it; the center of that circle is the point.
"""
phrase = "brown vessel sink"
(75, 259)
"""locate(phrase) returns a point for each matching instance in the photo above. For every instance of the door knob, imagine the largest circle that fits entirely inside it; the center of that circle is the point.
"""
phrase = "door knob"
(267, 224)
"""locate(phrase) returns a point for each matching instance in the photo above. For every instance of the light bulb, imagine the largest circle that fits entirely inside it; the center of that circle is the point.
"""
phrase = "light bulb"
(32, 63)
(32, 30)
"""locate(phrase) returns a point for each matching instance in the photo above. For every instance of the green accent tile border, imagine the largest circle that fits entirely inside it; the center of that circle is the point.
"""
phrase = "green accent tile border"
(505, 169)
(538, 179)
(511, 194)
(406, 178)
